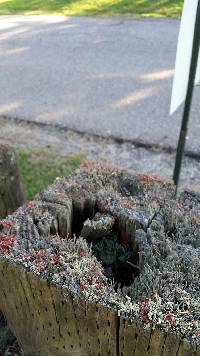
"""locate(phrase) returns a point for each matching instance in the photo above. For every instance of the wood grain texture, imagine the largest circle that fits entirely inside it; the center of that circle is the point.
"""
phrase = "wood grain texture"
(134, 340)
(48, 322)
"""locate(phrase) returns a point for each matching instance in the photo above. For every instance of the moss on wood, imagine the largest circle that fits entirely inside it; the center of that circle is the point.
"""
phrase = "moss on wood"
(54, 291)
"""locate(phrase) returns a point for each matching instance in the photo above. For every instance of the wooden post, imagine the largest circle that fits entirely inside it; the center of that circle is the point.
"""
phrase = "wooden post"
(11, 194)
(11, 197)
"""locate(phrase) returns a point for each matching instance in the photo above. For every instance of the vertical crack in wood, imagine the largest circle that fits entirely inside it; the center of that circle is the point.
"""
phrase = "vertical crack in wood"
(163, 347)
(117, 335)
(149, 344)
(54, 307)
(178, 349)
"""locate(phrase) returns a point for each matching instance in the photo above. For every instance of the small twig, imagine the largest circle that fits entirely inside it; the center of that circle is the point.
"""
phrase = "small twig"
(132, 264)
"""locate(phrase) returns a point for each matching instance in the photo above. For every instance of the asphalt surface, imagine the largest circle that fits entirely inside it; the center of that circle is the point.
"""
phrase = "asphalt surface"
(111, 77)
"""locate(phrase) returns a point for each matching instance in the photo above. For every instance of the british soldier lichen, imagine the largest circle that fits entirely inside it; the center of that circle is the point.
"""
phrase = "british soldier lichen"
(140, 224)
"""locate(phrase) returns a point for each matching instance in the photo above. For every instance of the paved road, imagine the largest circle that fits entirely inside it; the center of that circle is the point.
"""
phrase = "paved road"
(105, 76)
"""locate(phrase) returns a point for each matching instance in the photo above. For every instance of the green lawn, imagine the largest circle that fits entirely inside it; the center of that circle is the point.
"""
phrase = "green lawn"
(39, 169)
(147, 8)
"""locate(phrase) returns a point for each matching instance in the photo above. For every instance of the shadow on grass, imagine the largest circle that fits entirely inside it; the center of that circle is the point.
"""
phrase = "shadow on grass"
(157, 8)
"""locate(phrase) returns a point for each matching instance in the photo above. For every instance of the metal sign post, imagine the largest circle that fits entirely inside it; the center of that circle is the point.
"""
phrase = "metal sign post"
(188, 100)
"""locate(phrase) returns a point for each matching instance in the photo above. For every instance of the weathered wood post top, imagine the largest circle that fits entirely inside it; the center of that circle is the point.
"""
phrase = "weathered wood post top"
(103, 263)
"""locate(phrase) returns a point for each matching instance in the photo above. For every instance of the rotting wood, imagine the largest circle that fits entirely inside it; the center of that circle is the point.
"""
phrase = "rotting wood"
(11, 197)
(50, 320)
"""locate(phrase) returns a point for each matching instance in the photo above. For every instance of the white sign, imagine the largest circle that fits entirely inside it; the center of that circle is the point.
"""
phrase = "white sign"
(184, 55)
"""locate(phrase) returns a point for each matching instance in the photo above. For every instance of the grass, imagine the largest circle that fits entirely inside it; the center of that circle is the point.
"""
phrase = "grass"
(39, 169)
(146, 8)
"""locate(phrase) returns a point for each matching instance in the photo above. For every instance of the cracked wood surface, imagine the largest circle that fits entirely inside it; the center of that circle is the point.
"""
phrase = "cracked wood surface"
(49, 321)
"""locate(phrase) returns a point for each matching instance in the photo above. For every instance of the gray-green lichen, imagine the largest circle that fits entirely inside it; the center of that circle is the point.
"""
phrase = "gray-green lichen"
(133, 225)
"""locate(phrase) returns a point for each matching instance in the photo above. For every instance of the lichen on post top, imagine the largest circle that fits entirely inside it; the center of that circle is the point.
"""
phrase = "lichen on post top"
(116, 239)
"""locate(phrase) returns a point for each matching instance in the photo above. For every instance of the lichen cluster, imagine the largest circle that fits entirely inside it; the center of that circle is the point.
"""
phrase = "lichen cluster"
(137, 220)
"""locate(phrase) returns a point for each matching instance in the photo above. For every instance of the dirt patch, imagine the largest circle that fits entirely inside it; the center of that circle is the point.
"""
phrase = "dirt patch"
(124, 155)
